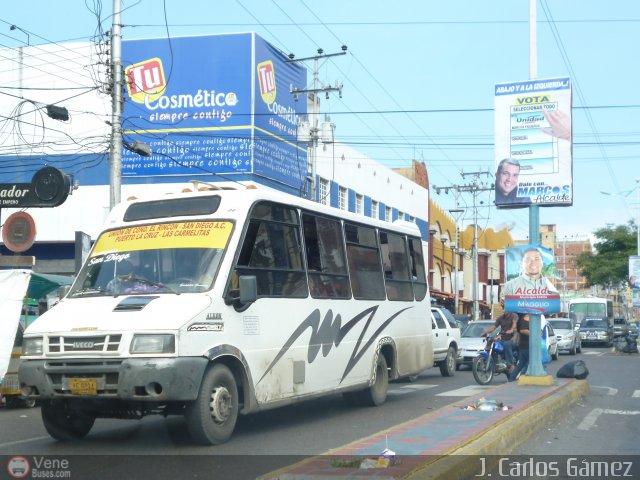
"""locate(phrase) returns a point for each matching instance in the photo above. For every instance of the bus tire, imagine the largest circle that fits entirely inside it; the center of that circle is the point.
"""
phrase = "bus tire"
(211, 418)
(64, 423)
(376, 394)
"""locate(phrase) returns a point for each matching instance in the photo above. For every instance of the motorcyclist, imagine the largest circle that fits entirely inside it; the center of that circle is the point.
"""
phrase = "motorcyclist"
(507, 323)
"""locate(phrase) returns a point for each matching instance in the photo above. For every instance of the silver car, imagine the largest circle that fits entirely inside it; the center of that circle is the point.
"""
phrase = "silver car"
(567, 335)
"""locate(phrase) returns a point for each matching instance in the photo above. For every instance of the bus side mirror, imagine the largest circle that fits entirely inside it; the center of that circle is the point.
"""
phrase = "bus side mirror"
(248, 289)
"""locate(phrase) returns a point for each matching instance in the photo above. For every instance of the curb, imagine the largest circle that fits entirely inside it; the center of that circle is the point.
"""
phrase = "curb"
(456, 458)
(504, 437)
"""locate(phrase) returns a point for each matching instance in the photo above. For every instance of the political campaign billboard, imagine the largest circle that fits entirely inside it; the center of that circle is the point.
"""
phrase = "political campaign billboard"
(634, 271)
(533, 143)
(529, 287)
(216, 104)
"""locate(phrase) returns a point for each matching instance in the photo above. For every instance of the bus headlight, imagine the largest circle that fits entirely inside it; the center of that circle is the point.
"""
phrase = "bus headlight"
(32, 346)
(156, 343)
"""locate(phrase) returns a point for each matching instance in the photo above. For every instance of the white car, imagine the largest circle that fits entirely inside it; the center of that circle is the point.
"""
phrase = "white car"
(446, 340)
(567, 335)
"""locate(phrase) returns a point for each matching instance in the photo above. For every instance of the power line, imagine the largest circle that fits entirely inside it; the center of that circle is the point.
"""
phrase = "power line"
(381, 23)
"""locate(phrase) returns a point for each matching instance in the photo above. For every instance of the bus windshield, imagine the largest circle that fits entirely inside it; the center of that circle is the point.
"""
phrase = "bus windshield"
(167, 258)
(580, 311)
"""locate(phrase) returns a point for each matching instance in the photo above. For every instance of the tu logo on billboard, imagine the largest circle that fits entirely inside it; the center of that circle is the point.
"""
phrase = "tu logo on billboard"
(145, 80)
(267, 80)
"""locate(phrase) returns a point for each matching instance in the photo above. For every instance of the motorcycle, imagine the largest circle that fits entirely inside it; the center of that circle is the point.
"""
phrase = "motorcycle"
(490, 361)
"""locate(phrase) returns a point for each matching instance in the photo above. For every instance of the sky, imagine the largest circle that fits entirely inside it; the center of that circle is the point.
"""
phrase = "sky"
(418, 80)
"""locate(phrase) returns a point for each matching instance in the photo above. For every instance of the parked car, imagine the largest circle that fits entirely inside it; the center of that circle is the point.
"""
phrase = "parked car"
(620, 327)
(633, 331)
(596, 331)
(567, 335)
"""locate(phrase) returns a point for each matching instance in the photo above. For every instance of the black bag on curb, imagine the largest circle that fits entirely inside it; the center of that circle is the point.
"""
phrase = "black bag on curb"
(576, 369)
(631, 346)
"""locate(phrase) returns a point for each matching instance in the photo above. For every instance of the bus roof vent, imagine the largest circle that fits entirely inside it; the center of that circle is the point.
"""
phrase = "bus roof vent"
(134, 303)
(174, 207)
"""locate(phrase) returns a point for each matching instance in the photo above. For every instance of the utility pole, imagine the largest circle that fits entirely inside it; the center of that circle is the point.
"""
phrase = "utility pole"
(475, 187)
(116, 107)
(456, 287)
(456, 212)
(314, 115)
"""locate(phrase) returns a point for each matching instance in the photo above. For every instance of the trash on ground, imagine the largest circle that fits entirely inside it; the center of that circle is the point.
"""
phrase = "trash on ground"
(485, 405)
(386, 459)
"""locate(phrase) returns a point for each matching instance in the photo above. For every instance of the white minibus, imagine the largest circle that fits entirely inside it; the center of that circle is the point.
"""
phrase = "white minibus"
(224, 302)
(584, 308)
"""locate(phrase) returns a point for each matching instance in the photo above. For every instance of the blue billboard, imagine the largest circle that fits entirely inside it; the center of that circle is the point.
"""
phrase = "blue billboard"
(212, 105)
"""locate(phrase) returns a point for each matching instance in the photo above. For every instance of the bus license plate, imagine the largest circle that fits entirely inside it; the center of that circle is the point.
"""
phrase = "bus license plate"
(83, 386)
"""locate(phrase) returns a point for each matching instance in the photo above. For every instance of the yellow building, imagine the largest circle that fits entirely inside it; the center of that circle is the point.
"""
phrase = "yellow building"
(442, 263)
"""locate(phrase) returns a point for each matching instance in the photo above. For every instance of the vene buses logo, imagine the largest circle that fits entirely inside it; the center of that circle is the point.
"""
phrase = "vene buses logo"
(145, 80)
(267, 80)
(18, 467)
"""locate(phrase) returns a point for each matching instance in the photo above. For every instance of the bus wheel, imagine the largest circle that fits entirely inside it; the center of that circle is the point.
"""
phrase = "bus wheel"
(63, 423)
(376, 394)
(212, 417)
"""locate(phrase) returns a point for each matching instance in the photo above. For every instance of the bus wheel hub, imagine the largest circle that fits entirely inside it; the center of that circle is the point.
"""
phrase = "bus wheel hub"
(220, 404)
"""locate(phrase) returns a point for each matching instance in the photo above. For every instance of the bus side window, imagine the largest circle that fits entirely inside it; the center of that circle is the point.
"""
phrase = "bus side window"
(272, 252)
(418, 273)
(365, 268)
(396, 266)
(328, 276)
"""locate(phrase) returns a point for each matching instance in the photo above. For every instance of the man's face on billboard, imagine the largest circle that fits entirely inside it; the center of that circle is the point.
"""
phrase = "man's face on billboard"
(532, 264)
(508, 178)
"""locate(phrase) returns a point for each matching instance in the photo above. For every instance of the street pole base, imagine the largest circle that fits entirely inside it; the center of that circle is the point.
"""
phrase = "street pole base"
(540, 381)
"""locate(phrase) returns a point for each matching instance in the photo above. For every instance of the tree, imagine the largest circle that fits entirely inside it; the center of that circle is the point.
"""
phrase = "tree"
(610, 264)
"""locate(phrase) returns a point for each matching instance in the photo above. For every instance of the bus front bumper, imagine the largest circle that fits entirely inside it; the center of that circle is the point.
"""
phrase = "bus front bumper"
(142, 379)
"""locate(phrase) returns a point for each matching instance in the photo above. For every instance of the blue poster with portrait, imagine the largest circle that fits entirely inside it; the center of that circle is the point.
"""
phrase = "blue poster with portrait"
(530, 270)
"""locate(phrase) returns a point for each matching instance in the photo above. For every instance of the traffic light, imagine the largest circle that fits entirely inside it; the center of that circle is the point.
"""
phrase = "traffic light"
(49, 187)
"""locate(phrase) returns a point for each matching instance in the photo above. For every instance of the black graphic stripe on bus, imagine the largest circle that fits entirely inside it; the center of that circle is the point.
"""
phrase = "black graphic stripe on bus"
(331, 333)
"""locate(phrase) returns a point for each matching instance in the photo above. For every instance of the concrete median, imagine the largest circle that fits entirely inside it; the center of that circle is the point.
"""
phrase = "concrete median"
(446, 444)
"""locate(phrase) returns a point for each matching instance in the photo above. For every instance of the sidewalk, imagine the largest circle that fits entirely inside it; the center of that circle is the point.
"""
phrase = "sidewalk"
(442, 444)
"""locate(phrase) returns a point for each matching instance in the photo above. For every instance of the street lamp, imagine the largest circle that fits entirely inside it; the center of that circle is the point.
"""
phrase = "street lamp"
(456, 212)
(625, 194)
(15, 27)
